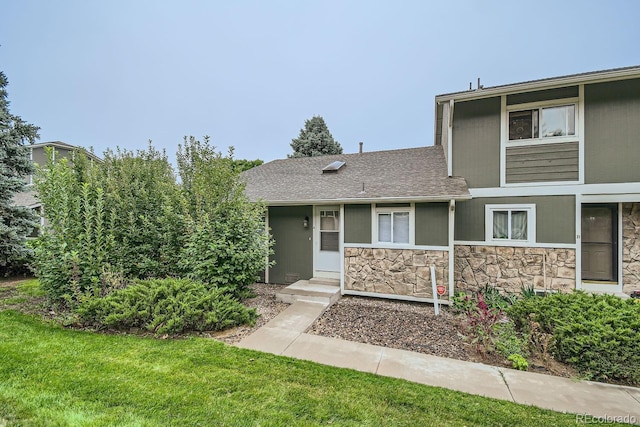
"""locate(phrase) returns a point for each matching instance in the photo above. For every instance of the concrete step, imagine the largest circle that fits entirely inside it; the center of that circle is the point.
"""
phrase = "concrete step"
(311, 291)
(324, 281)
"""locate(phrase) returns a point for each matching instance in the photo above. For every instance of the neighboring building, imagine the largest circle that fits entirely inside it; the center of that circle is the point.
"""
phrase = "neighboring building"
(39, 157)
(377, 221)
(553, 174)
(553, 169)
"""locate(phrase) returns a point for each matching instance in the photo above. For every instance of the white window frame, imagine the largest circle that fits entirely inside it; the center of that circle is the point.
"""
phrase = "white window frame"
(531, 223)
(391, 210)
(540, 106)
(578, 137)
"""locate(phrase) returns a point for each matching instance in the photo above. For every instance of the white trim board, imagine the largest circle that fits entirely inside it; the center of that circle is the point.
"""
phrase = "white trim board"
(626, 192)
(398, 247)
(548, 83)
(396, 297)
(516, 244)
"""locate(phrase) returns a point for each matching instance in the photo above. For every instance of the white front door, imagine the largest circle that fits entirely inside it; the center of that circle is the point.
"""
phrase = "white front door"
(326, 245)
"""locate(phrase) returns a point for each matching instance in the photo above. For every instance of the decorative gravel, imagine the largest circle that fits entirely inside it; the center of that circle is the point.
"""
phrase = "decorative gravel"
(395, 324)
(266, 305)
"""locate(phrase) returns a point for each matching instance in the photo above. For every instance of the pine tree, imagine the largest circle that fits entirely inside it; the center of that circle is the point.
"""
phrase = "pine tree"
(16, 222)
(314, 140)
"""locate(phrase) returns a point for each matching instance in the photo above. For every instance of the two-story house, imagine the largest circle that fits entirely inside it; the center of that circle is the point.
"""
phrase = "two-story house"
(533, 184)
(553, 168)
(38, 155)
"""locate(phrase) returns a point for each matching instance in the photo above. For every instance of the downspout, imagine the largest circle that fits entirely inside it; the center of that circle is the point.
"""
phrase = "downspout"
(266, 260)
(452, 221)
(450, 139)
(544, 271)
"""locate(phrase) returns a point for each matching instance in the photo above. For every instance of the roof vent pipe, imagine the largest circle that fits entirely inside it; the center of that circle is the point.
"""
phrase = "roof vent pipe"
(361, 144)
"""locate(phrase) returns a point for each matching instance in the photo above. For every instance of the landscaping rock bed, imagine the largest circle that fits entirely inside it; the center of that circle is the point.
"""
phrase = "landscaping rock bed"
(395, 324)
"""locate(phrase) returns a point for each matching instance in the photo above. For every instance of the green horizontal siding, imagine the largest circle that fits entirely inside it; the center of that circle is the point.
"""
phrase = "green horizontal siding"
(432, 224)
(39, 156)
(555, 217)
(476, 142)
(357, 223)
(612, 129)
(544, 162)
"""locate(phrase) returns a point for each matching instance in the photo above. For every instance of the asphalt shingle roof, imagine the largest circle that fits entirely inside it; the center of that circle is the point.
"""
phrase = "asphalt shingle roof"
(407, 174)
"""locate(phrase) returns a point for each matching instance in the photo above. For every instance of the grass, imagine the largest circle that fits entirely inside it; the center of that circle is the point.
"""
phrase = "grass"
(51, 376)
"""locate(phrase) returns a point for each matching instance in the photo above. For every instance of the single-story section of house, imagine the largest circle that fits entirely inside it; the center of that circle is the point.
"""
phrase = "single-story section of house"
(377, 221)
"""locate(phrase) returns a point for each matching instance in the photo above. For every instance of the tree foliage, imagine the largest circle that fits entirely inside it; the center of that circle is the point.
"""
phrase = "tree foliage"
(314, 140)
(128, 218)
(227, 242)
(16, 222)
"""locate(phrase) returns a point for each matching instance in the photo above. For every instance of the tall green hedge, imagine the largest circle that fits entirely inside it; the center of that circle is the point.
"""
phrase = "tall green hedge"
(129, 217)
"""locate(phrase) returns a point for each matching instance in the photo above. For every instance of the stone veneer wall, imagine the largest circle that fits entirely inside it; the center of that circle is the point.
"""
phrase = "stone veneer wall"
(630, 247)
(511, 268)
(400, 272)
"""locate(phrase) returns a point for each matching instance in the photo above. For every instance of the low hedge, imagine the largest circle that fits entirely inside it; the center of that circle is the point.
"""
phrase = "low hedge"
(166, 306)
(599, 335)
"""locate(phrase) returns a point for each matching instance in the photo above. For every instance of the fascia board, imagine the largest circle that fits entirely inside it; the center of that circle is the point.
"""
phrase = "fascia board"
(541, 84)
(365, 200)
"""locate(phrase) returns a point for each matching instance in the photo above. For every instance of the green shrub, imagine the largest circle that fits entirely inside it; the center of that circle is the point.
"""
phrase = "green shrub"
(227, 243)
(166, 306)
(507, 340)
(519, 362)
(599, 335)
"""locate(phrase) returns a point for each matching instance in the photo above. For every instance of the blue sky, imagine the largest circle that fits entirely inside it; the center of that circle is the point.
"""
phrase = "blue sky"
(249, 73)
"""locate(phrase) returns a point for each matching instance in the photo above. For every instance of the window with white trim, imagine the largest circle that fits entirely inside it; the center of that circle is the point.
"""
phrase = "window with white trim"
(394, 225)
(510, 223)
(542, 122)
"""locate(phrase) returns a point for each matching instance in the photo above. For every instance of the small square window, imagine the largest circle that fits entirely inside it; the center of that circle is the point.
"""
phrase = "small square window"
(393, 227)
(514, 223)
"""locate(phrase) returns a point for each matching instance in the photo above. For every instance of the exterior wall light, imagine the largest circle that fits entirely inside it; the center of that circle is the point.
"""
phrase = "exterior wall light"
(305, 223)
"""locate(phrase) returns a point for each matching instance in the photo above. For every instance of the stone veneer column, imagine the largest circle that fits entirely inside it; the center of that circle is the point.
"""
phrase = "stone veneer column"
(630, 247)
(511, 268)
(403, 272)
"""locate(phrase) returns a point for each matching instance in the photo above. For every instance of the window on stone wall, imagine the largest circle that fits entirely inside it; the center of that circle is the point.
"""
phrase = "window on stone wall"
(510, 223)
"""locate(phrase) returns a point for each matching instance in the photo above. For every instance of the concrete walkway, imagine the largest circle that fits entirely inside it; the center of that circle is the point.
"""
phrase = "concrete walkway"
(285, 335)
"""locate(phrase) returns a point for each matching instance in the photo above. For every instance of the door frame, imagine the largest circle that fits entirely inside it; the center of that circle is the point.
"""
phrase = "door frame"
(594, 285)
(337, 274)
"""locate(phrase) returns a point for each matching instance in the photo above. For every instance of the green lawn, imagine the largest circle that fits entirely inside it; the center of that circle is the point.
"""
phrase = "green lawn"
(53, 376)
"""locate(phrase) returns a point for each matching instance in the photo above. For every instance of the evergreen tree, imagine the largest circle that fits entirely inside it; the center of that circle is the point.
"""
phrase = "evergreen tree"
(314, 140)
(16, 222)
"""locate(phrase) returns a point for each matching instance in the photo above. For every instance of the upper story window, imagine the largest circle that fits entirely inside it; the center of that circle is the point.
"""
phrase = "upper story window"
(543, 122)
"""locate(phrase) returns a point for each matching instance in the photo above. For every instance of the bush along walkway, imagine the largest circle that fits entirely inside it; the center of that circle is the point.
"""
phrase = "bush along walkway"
(285, 335)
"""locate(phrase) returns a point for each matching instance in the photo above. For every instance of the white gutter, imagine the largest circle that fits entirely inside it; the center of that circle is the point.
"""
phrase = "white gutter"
(365, 200)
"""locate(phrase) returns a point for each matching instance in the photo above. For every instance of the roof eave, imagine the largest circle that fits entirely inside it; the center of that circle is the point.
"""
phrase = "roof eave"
(66, 146)
(444, 198)
(595, 77)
